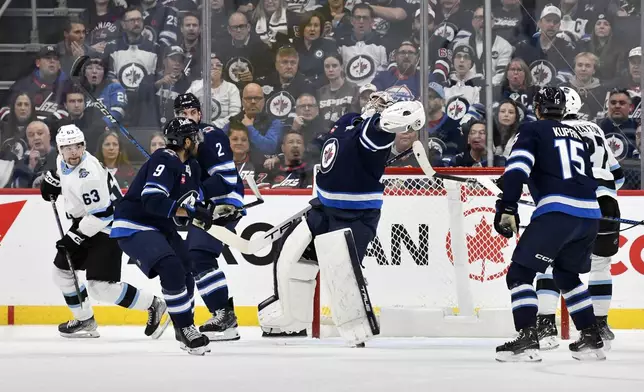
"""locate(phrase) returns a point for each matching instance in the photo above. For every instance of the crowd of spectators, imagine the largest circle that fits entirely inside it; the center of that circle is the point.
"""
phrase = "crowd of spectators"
(282, 71)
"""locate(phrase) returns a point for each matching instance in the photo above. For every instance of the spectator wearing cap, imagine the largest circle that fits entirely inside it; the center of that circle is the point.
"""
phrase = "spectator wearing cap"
(475, 37)
(547, 53)
(73, 45)
(437, 48)
(284, 85)
(516, 84)
(476, 153)
(337, 17)
(191, 44)
(631, 78)
(364, 95)
(225, 98)
(575, 15)
(45, 85)
(338, 96)
(591, 90)
(313, 48)
(444, 130)
(363, 51)
(464, 81)
(605, 45)
(158, 91)
(512, 21)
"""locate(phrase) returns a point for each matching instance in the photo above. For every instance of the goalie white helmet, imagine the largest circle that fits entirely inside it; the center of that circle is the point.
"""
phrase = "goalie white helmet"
(378, 101)
(573, 101)
(402, 117)
(69, 135)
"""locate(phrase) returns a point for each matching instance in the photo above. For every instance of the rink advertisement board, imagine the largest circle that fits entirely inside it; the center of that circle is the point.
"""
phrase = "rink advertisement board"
(409, 264)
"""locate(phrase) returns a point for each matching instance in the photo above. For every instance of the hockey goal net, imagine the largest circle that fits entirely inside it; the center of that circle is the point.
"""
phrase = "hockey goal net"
(436, 267)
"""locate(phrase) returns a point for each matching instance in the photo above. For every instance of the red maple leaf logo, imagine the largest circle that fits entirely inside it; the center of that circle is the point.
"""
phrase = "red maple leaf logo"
(8, 214)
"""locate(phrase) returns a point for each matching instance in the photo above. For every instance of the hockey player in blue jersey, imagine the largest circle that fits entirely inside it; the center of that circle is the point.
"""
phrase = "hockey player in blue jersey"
(341, 224)
(144, 224)
(553, 159)
(221, 186)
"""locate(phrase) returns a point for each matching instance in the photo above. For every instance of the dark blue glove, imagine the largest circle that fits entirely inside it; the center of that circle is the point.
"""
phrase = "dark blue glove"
(506, 219)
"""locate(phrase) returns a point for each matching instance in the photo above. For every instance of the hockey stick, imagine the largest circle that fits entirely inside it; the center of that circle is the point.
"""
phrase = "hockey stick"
(399, 156)
(77, 69)
(67, 256)
(249, 247)
(423, 162)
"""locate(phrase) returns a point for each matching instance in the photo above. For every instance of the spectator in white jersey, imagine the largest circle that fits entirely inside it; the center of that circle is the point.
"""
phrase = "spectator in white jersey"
(224, 96)
(339, 96)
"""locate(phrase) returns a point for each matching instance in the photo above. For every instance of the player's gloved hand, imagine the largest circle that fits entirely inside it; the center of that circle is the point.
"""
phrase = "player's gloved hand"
(50, 186)
(225, 213)
(198, 211)
(71, 241)
(506, 220)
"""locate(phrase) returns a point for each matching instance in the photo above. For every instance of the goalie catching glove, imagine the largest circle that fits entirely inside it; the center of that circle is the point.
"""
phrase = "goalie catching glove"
(50, 186)
(506, 219)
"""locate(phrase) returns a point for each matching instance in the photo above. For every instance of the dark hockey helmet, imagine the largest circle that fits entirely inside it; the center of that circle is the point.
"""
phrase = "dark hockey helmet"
(178, 129)
(550, 102)
(186, 101)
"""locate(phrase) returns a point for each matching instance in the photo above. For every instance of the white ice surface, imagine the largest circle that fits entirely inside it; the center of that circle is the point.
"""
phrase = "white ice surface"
(123, 359)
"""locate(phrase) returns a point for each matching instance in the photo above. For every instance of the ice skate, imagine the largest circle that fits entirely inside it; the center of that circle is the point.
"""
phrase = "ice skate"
(191, 340)
(156, 324)
(547, 332)
(222, 326)
(79, 329)
(525, 348)
(589, 346)
(604, 330)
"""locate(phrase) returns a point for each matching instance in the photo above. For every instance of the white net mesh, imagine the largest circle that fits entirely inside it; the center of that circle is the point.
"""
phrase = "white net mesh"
(411, 262)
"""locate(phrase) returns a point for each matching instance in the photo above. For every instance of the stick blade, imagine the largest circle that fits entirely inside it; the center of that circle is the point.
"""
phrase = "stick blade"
(421, 157)
(77, 67)
(253, 187)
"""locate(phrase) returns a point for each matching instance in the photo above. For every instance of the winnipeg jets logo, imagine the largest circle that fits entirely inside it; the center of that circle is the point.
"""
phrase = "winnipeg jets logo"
(329, 155)
(542, 72)
(360, 68)
(618, 145)
(238, 65)
(215, 108)
(447, 30)
(457, 108)
(280, 105)
(131, 75)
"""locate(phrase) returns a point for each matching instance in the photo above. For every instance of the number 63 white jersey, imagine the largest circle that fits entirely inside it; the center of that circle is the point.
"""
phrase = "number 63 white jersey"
(606, 169)
(89, 191)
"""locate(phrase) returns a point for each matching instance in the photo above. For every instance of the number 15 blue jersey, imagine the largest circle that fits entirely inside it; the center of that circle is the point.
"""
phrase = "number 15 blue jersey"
(554, 157)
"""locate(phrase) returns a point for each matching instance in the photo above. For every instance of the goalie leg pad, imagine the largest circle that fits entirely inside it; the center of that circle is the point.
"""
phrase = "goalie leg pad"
(64, 280)
(120, 293)
(291, 308)
(351, 307)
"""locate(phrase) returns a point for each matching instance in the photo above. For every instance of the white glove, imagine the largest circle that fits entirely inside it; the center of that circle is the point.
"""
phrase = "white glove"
(224, 210)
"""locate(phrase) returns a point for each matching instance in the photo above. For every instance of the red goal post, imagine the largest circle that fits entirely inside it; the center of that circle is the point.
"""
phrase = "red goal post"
(436, 267)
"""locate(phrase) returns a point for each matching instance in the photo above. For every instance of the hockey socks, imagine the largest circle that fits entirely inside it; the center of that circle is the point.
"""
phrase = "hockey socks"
(121, 294)
(213, 289)
(524, 306)
(580, 306)
(600, 285)
(65, 281)
(547, 292)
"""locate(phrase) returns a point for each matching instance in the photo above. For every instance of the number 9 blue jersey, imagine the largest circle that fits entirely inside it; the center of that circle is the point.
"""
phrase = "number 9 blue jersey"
(554, 157)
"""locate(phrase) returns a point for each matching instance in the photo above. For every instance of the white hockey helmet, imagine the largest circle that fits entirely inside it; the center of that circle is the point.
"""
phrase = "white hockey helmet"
(402, 117)
(573, 101)
(68, 135)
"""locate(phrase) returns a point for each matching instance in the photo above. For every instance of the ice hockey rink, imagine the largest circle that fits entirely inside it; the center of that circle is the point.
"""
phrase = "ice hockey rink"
(35, 358)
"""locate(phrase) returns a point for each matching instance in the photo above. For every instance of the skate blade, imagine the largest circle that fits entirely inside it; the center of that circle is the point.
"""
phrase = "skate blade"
(526, 356)
(590, 355)
(228, 335)
(198, 350)
(549, 343)
(162, 327)
(81, 335)
(185, 348)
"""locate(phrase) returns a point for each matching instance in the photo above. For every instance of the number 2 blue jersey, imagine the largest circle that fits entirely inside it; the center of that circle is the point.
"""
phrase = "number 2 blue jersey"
(554, 157)
(151, 200)
(220, 181)
(352, 162)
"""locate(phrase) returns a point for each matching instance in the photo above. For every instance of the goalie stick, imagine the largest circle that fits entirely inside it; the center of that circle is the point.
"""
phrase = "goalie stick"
(426, 167)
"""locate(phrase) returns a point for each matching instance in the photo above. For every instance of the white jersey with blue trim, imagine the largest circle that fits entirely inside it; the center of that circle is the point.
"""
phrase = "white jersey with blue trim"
(606, 168)
(352, 162)
(555, 162)
(89, 191)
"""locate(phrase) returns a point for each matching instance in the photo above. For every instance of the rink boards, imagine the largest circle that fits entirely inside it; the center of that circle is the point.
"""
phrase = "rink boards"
(409, 266)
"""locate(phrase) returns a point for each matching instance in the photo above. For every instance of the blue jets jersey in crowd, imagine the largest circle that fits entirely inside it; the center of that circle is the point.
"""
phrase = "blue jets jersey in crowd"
(114, 97)
(220, 180)
(151, 201)
(554, 158)
(352, 162)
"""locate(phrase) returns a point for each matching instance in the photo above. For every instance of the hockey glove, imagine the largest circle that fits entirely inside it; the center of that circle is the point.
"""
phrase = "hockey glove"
(50, 186)
(199, 212)
(71, 241)
(225, 214)
(506, 220)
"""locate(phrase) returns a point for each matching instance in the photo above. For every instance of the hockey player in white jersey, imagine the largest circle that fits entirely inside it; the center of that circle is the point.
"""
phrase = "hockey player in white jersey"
(89, 192)
(341, 223)
(610, 178)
